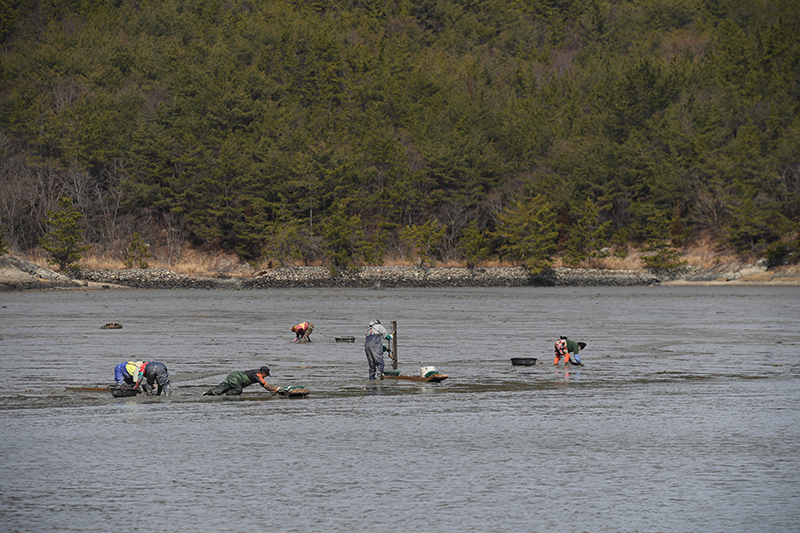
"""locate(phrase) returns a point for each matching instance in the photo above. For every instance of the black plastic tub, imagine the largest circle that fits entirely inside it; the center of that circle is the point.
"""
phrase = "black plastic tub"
(523, 361)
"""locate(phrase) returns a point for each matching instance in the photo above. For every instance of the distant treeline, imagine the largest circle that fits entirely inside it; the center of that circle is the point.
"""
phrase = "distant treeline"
(347, 132)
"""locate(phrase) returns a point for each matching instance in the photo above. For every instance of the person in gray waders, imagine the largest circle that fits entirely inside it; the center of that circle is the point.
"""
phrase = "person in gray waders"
(373, 346)
(155, 372)
(236, 381)
(136, 374)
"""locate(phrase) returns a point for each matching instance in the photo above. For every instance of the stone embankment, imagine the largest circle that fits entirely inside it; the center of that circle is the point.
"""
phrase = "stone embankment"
(375, 277)
(155, 278)
(397, 276)
(18, 274)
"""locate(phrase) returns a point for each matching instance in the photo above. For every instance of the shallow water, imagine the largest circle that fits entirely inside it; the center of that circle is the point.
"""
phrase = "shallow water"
(685, 417)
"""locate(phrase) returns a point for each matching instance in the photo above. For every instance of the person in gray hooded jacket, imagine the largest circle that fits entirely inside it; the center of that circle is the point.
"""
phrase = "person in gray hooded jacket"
(373, 346)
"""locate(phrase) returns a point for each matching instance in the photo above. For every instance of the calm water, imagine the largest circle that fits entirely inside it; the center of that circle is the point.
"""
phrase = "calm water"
(686, 416)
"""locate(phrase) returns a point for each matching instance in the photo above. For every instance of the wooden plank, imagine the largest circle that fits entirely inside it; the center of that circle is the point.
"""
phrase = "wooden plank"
(393, 354)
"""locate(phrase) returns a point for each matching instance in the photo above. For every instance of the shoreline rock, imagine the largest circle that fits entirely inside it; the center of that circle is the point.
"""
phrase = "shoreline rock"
(378, 277)
(155, 278)
(18, 274)
(407, 277)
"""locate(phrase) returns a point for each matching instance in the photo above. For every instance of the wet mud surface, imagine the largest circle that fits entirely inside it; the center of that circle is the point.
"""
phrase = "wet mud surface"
(685, 417)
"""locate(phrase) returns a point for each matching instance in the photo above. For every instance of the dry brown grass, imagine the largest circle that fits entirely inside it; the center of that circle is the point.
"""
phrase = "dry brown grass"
(99, 262)
(629, 262)
(398, 259)
(38, 257)
(191, 263)
(620, 259)
(701, 253)
(703, 256)
(496, 263)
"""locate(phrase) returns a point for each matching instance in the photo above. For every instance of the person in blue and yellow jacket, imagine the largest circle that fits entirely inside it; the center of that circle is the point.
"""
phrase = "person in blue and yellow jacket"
(127, 373)
(134, 374)
(238, 380)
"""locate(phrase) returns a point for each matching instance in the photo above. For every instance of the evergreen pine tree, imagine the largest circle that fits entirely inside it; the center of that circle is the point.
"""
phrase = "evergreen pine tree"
(660, 254)
(424, 240)
(344, 237)
(473, 244)
(137, 253)
(529, 233)
(63, 240)
(585, 235)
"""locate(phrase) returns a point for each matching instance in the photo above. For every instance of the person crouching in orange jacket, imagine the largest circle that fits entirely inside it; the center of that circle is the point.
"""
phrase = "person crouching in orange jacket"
(303, 331)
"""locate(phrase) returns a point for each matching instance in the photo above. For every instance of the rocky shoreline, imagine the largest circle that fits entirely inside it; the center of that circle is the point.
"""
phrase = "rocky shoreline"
(375, 277)
(18, 274)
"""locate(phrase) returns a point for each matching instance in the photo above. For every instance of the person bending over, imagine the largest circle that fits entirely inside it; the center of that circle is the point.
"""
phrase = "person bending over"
(373, 346)
(127, 373)
(238, 380)
(155, 372)
(564, 347)
(303, 331)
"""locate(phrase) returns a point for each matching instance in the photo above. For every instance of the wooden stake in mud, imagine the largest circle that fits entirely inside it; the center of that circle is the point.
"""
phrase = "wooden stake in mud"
(394, 344)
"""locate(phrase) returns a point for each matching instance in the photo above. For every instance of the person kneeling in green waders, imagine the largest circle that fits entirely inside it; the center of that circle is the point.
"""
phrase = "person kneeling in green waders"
(236, 381)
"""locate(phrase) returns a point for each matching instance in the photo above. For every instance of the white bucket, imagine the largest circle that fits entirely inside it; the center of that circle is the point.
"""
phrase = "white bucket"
(426, 370)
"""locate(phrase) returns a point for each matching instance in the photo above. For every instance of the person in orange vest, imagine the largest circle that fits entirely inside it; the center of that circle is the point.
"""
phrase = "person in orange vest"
(564, 347)
(303, 331)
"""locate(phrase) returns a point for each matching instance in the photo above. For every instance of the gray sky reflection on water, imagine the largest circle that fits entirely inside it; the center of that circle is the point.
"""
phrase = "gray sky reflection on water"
(685, 417)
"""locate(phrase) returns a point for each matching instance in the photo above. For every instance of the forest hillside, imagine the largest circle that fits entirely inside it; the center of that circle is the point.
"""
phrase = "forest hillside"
(355, 132)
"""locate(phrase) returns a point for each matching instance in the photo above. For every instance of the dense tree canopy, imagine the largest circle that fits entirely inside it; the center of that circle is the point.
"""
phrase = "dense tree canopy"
(335, 131)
